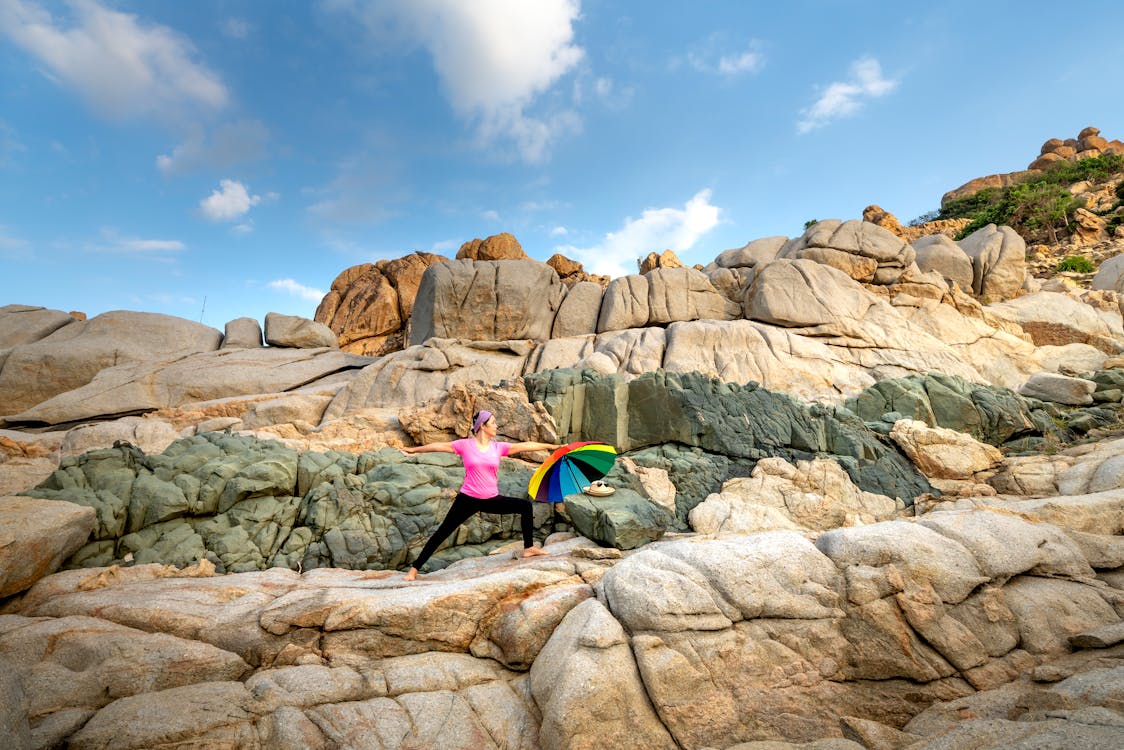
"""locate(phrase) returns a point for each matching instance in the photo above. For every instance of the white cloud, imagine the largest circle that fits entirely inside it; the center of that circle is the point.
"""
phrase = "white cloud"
(490, 215)
(657, 229)
(9, 143)
(494, 59)
(120, 65)
(559, 231)
(297, 290)
(229, 145)
(445, 246)
(145, 246)
(236, 28)
(113, 242)
(229, 202)
(845, 98)
(716, 55)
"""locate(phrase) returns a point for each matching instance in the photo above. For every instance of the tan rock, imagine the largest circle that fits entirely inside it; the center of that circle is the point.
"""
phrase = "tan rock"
(450, 417)
(883, 218)
(1044, 161)
(369, 304)
(811, 495)
(998, 257)
(502, 246)
(296, 332)
(974, 186)
(666, 259)
(36, 536)
(941, 453)
(589, 689)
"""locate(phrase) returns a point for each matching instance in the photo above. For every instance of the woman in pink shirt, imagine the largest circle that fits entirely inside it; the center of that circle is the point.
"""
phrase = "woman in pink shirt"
(480, 493)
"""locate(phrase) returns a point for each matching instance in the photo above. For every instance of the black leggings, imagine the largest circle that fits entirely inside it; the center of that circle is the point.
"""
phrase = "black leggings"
(466, 506)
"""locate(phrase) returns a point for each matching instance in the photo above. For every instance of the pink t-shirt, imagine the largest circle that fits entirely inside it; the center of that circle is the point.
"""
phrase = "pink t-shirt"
(481, 468)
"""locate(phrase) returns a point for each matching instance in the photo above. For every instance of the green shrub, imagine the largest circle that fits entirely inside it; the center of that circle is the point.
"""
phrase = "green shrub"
(1076, 263)
(811, 223)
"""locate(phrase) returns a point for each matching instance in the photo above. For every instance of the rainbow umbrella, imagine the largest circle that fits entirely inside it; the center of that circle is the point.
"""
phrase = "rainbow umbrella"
(570, 469)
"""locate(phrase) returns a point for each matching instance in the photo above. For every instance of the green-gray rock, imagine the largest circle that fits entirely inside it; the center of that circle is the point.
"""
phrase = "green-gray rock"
(624, 520)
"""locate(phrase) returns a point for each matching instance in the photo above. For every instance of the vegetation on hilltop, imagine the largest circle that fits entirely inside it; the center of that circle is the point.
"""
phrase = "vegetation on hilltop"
(1041, 207)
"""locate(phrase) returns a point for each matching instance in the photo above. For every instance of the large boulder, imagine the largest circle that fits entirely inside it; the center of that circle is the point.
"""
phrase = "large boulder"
(663, 295)
(242, 333)
(501, 246)
(35, 537)
(862, 250)
(297, 333)
(23, 324)
(578, 313)
(369, 305)
(1055, 319)
(810, 495)
(427, 371)
(1061, 389)
(941, 453)
(493, 300)
(937, 252)
(624, 520)
(757, 252)
(1109, 273)
(147, 386)
(998, 262)
(72, 355)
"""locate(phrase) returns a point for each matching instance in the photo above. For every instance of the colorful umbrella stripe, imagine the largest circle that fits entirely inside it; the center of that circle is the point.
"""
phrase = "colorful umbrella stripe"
(571, 469)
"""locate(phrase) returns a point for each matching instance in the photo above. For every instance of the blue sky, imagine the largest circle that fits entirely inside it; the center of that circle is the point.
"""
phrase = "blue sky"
(216, 158)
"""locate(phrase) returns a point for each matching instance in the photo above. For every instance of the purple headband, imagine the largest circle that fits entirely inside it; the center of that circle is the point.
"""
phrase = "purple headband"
(481, 418)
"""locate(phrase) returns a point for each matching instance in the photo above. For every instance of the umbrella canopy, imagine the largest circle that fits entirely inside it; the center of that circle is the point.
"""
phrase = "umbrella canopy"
(570, 469)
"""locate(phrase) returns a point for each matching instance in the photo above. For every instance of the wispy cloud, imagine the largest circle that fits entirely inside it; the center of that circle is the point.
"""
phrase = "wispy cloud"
(494, 58)
(297, 290)
(717, 54)
(121, 66)
(368, 187)
(657, 229)
(113, 242)
(490, 215)
(236, 28)
(12, 246)
(9, 143)
(845, 98)
(231, 201)
(230, 144)
(559, 231)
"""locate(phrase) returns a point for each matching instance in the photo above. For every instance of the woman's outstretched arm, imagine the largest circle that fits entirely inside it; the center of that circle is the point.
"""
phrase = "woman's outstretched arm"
(429, 448)
(521, 447)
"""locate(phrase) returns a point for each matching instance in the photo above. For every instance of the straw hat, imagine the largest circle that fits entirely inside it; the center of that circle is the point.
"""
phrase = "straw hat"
(599, 489)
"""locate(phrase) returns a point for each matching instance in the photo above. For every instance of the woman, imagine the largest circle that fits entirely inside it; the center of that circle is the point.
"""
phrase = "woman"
(481, 454)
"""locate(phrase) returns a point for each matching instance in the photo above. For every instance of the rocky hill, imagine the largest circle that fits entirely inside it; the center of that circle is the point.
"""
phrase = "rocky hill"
(870, 494)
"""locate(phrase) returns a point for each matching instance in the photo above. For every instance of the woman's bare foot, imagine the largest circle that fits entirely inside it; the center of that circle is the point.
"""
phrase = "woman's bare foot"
(533, 552)
(412, 575)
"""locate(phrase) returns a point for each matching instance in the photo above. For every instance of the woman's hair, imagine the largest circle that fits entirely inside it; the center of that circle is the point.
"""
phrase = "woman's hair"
(479, 418)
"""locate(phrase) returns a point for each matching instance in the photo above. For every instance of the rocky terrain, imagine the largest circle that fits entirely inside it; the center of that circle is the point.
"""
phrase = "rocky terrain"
(870, 494)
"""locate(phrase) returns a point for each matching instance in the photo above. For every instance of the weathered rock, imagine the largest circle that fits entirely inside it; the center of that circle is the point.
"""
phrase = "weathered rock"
(624, 520)
(664, 295)
(757, 252)
(1061, 389)
(486, 301)
(737, 421)
(880, 217)
(242, 333)
(992, 415)
(578, 313)
(572, 272)
(501, 246)
(369, 305)
(147, 386)
(1056, 319)
(76, 352)
(1096, 470)
(812, 495)
(23, 324)
(980, 183)
(35, 537)
(939, 253)
(941, 453)
(862, 250)
(117, 661)
(998, 257)
(1109, 273)
(149, 434)
(588, 688)
(450, 417)
(666, 259)
(427, 371)
(298, 333)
